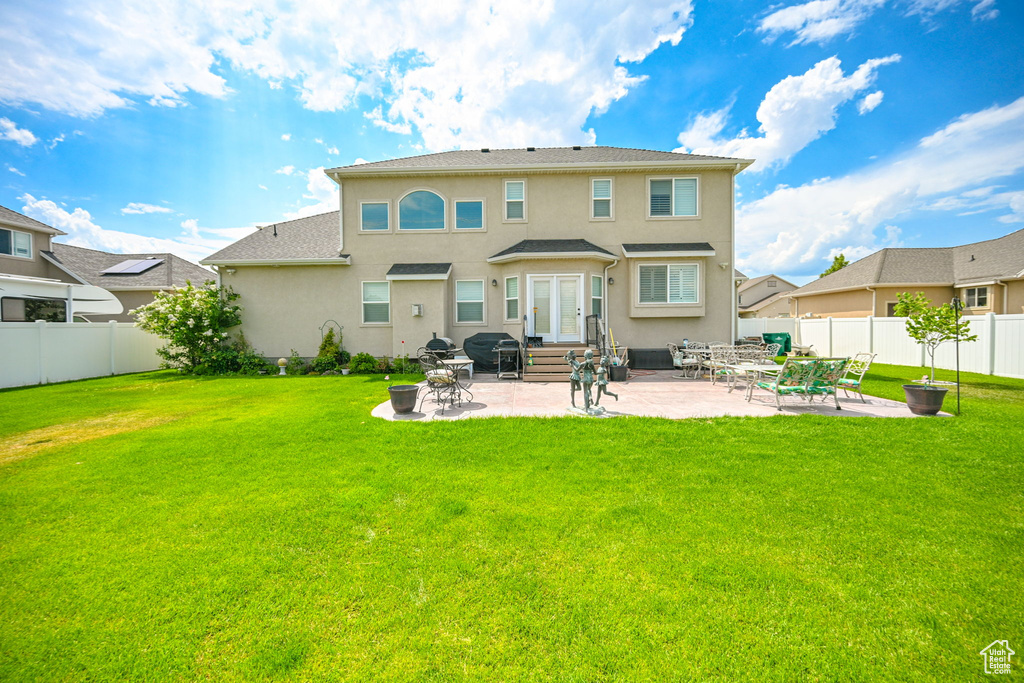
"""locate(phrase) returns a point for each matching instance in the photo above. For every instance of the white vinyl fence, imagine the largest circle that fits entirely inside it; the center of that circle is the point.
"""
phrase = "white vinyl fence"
(41, 352)
(999, 349)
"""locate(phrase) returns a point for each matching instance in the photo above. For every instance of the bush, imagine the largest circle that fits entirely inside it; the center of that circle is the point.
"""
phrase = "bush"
(295, 366)
(364, 364)
(404, 365)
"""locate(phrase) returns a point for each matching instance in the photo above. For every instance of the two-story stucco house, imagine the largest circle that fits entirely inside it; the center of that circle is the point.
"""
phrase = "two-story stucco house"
(523, 241)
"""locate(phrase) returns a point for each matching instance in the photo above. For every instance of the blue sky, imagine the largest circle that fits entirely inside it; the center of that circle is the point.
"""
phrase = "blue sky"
(161, 126)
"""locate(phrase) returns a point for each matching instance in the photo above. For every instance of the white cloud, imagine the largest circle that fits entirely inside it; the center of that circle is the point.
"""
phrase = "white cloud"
(377, 118)
(870, 102)
(9, 131)
(55, 141)
(14, 170)
(286, 170)
(821, 20)
(83, 232)
(322, 190)
(262, 187)
(460, 73)
(794, 228)
(139, 207)
(333, 151)
(286, 137)
(794, 113)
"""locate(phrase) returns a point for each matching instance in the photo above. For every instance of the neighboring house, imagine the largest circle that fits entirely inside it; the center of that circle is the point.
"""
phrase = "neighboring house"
(987, 276)
(472, 241)
(133, 278)
(32, 286)
(765, 297)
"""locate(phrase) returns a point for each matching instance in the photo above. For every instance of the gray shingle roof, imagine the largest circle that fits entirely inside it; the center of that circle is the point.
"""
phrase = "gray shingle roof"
(468, 158)
(655, 247)
(89, 265)
(313, 237)
(551, 247)
(998, 259)
(758, 305)
(420, 269)
(13, 218)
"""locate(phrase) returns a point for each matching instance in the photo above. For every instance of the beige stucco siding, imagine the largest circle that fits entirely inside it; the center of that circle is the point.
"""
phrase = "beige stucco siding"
(1014, 296)
(852, 304)
(36, 266)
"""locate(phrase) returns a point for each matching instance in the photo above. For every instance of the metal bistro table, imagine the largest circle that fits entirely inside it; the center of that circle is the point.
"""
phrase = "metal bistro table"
(457, 365)
(752, 373)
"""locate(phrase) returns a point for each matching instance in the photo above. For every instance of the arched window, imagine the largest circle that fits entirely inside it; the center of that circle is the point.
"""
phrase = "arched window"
(421, 210)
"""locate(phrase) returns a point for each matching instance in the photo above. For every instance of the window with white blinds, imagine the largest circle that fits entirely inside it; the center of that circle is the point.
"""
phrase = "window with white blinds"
(601, 198)
(596, 294)
(469, 301)
(515, 200)
(673, 197)
(376, 302)
(512, 298)
(669, 284)
(15, 243)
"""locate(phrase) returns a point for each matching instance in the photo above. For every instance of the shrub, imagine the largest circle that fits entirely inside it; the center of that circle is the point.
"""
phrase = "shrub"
(406, 366)
(364, 364)
(295, 366)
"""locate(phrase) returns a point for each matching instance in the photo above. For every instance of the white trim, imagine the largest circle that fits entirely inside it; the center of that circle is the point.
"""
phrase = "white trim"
(385, 202)
(444, 212)
(483, 214)
(672, 199)
(610, 199)
(526, 256)
(482, 302)
(667, 254)
(699, 282)
(505, 200)
(531, 278)
(604, 286)
(506, 298)
(363, 302)
(417, 276)
(340, 261)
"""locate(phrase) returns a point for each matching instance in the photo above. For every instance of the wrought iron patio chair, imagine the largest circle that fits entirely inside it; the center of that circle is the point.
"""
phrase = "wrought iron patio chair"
(683, 360)
(772, 350)
(442, 382)
(790, 380)
(854, 375)
(721, 356)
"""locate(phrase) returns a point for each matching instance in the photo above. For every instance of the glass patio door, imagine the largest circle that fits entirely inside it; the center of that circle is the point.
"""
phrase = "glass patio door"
(556, 307)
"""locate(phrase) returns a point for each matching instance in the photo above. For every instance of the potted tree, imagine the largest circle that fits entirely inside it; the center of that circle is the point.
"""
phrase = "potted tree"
(930, 326)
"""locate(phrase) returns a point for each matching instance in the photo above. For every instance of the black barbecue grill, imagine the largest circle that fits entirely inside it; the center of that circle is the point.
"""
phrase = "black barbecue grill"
(441, 347)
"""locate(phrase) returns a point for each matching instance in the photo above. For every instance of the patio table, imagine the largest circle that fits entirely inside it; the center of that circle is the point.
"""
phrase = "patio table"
(457, 365)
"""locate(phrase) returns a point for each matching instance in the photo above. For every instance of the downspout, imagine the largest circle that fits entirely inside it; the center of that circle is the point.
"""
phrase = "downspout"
(1006, 295)
(604, 299)
(732, 260)
(874, 300)
(341, 216)
(220, 283)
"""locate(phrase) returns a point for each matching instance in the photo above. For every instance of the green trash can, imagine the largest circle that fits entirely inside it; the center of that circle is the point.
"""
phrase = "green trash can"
(782, 338)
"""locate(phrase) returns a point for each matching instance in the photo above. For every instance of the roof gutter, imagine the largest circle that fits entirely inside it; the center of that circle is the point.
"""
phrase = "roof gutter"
(796, 293)
(524, 256)
(369, 170)
(340, 261)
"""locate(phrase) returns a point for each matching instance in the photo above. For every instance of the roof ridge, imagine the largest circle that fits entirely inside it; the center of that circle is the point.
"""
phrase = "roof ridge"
(294, 220)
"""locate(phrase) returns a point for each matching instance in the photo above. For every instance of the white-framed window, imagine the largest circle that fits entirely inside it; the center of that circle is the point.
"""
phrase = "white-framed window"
(515, 200)
(596, 294)
(672, 197)
(469, 301)
(976, 297)
(15, 243)
(469, 214)
(377, 303)
(421, 210)
(601, 199)
(671, 283)
(512, 298)
(374, 216)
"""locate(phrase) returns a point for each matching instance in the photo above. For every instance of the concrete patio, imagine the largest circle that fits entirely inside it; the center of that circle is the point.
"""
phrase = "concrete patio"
(652, 394)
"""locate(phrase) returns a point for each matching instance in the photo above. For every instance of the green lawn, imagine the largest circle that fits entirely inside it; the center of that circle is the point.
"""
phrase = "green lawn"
(162, 527)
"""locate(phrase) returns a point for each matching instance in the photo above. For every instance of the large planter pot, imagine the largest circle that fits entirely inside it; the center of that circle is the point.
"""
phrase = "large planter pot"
(923, 399)
(403, 398)
(618, 373)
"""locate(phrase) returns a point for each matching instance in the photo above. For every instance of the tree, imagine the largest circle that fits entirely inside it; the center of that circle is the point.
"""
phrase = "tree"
(194, 321)
(931, 326)
(838, 263)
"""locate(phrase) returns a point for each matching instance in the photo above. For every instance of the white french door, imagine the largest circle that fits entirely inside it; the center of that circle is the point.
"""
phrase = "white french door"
(555, 306)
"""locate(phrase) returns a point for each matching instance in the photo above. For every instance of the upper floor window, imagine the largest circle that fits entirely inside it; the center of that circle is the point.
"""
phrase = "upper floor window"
(15, 243)
(669, 284)
(421, 210)
(515, 200)
(673, 197)
(601, 198)
(469, 214)
(374, 216)
(976, 297)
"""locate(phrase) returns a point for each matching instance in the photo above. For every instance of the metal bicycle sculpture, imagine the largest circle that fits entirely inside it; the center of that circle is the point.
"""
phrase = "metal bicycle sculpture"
(583, 376)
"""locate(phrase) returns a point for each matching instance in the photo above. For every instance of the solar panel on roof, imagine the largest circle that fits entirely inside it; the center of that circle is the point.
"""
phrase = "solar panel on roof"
(133, 266)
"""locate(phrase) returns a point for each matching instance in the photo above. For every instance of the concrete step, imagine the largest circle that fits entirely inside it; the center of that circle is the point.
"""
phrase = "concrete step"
(546, 377)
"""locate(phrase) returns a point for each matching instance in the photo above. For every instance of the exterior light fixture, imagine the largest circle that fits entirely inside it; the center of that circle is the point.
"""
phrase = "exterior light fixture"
(494, 283)
(611, 281)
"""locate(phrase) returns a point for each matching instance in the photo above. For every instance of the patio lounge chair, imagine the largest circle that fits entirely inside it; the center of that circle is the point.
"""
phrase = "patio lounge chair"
(682, 359)
(855, 371)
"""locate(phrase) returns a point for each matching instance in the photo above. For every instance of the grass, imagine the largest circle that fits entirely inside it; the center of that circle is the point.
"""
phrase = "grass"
(163, 527)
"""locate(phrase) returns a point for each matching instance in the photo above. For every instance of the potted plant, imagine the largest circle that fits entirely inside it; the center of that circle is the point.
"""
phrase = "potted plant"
(403, 397)
(930, 326)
